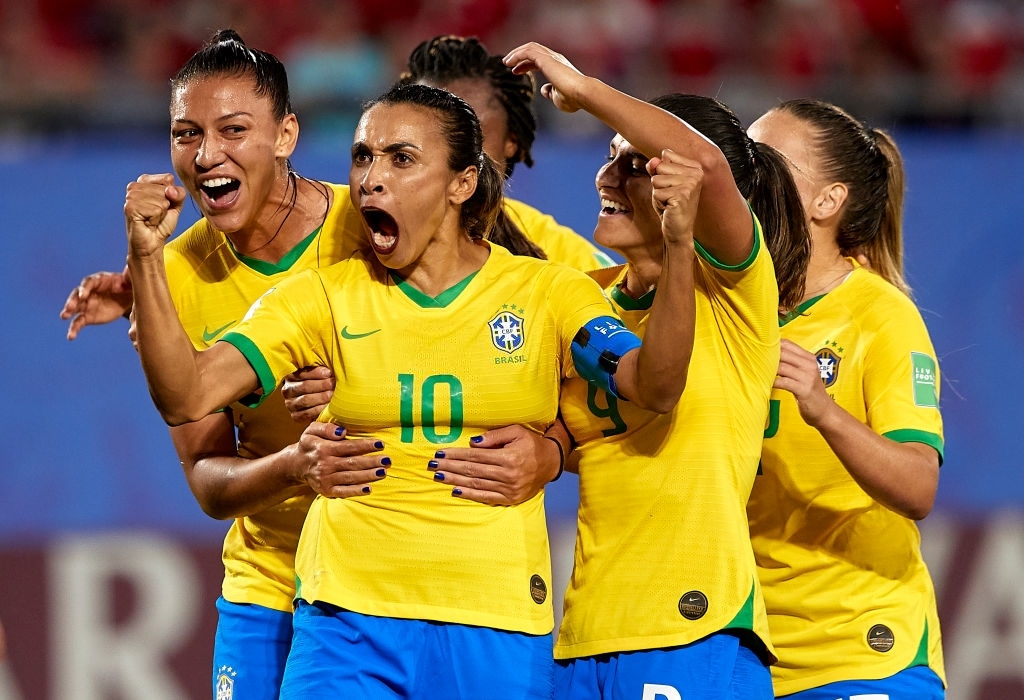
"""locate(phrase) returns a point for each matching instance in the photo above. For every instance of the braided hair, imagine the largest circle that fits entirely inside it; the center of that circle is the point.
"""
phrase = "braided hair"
(445, 59)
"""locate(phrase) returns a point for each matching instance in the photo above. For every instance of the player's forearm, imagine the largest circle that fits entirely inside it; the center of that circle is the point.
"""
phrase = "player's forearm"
(901, 476)
(233, 487)
(654, 375)
(647, 127)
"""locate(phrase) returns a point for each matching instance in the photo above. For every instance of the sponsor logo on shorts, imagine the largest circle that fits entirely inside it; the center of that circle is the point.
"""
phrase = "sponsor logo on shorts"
(693, 605)
(538, 589)
(880, 638)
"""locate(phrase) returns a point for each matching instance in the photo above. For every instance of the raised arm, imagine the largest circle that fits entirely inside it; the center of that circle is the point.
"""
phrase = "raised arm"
(723, 221)
(185, 384)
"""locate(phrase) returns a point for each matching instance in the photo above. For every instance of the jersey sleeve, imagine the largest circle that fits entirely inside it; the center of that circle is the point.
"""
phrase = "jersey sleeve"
(901, 379)
(746, 296)
(287, 328)
(576, 299)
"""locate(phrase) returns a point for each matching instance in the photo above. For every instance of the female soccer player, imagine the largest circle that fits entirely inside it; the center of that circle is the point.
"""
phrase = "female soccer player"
(433, 334)
(852, 451)
(503, 101)
(664, 599)
(232, 134)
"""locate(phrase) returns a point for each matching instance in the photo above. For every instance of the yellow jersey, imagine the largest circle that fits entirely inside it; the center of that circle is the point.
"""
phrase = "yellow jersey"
(847, 591)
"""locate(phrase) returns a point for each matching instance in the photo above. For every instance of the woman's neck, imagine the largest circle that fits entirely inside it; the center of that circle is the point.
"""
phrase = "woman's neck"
(641, 277)
(825, 272)
(298, 208)
(443, 265)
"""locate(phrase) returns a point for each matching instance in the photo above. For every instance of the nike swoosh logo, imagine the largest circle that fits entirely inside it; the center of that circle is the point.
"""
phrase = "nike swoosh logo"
(355, 336)
(209, 335)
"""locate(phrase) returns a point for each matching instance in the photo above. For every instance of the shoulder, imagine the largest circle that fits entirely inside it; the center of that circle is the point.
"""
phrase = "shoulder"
(194, 247)
(559, 242)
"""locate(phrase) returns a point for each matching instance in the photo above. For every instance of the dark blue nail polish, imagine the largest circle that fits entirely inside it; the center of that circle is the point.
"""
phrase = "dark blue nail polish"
(439, 454)
(476, 439)
(456, 492)
(379, 445)
(432, 464)
(385, 461)
(382, 472)
(339, 431)
(438, 476)
(366, 489)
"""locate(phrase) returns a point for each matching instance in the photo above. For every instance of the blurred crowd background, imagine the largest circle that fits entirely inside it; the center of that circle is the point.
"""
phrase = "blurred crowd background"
(71, 65)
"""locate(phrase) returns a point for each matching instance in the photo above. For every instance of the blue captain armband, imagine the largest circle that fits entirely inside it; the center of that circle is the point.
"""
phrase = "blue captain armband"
(597, 349)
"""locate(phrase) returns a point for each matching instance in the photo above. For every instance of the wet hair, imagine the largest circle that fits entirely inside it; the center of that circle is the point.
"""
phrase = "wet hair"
(444, 59)
(226, 55)
(868, 162)
(483, 215)
(765, 181)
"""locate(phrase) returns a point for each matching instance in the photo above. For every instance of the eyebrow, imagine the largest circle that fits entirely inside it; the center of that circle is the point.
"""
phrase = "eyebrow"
(390, 148)
(233, 115)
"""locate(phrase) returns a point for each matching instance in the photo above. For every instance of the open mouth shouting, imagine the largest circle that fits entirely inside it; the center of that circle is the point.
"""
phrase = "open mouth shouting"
(219, 193)
(383, 230)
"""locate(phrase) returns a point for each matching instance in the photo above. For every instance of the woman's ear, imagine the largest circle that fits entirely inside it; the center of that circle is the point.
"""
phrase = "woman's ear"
(829, 201)
(463, 185)
(287, 136)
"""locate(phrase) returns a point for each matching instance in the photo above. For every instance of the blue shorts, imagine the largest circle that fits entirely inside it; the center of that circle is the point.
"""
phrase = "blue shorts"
(249, 651)
(915, 683)
(337, 653)
(720, 666)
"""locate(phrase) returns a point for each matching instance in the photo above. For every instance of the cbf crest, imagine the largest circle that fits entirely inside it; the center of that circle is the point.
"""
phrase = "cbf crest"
(828, 366)
(226, 683)
(507, 329)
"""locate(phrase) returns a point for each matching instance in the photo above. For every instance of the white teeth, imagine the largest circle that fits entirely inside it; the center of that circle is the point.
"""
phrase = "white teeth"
(218, 182)
(609, 204)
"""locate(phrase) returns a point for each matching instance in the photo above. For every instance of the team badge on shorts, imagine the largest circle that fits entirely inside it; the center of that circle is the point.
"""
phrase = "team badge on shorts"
(881, 638)
(507, 330)
(828, 366)
(225, 683)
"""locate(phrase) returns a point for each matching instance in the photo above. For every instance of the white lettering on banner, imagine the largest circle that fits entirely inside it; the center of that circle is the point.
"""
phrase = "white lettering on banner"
(92, 657)
(653, 691)
(989, 639)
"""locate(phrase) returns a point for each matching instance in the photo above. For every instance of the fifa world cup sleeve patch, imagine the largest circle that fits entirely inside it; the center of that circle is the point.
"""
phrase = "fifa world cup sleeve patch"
(597, 349)
(925, 374)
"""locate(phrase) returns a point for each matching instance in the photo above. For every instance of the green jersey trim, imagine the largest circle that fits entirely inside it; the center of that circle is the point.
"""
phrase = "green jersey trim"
(426, 301)
(628, 303)
(255, 358)
(921, 657)
(282, 265)
(799, 310)
(911, 435)
(743, 265)
(745, 617)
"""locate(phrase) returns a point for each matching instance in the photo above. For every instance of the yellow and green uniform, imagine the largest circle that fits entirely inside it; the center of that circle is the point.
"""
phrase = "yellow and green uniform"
(663, 554)
(212, 287)
(847, 591)
(560, 243)
(422, 374)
